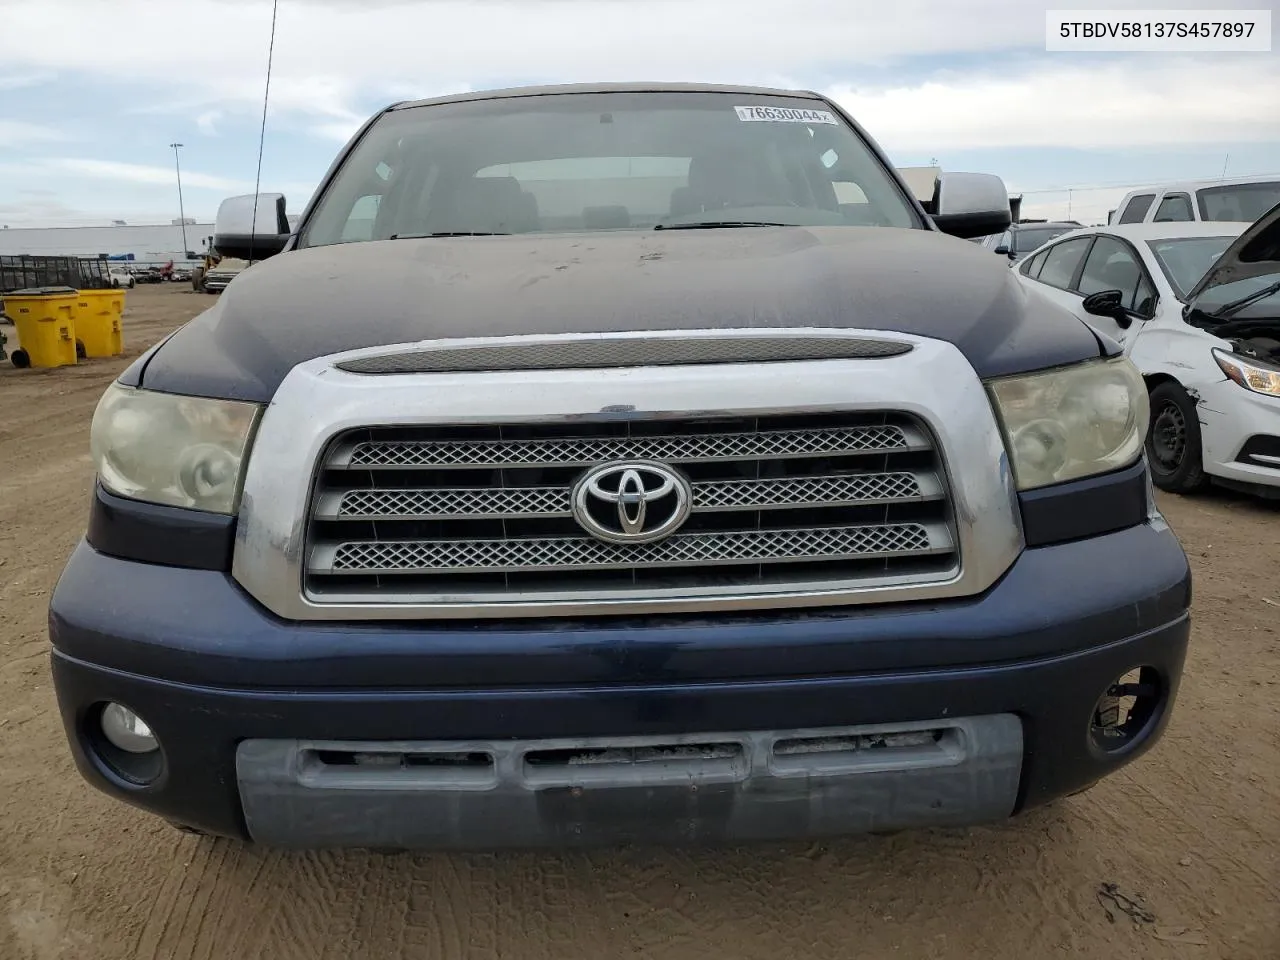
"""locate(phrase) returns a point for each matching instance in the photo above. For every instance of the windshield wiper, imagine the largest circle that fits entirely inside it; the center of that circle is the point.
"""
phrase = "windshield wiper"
(447, 233)
(714, 224)
(1235, 306)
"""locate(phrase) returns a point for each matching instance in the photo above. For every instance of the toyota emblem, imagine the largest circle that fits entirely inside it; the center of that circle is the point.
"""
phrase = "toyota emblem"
(636, 502)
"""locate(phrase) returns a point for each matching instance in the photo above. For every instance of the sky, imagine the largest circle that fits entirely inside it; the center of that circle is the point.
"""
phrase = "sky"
(93, 93)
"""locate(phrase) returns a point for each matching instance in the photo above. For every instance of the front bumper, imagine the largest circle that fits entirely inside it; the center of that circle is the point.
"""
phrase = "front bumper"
(1229, 416)
(255, 715)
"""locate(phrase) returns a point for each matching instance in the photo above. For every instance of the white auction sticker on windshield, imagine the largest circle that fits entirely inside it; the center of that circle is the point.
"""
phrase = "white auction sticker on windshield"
(786, 115)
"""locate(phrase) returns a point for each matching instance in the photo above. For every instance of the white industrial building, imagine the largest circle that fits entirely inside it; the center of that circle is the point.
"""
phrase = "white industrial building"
(152, 243)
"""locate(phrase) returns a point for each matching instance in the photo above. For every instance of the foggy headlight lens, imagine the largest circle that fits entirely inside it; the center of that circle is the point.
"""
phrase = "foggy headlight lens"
(1249, 373)
(1072, 422)
(172, 450)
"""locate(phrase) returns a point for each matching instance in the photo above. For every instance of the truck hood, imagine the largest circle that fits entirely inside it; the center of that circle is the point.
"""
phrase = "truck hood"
(1255, 253)
(320, 301)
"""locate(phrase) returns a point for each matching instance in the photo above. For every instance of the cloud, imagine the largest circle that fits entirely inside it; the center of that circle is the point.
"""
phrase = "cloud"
(207, 122)
(926, 77)
(1102, 105)
(332, 58)
(339, 131)
(336, 60)
(15, 133)
(17, 81)
(141, 173)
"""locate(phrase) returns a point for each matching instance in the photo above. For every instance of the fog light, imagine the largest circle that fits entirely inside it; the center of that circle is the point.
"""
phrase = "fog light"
(125, 729)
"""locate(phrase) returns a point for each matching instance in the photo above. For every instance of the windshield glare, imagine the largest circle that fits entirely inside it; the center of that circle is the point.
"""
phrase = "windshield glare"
(608, 161)
(1187, 259)
(1243, 203)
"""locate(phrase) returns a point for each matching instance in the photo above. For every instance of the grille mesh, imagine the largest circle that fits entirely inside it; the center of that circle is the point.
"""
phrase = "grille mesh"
(673, 449)
(555, 501)
(565, 553)
(484, 512)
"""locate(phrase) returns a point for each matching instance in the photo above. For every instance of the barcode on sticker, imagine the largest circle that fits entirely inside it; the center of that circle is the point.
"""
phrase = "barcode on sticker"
(786, 115)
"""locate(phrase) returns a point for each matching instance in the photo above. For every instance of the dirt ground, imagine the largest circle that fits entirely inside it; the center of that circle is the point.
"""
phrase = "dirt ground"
(1191, 832)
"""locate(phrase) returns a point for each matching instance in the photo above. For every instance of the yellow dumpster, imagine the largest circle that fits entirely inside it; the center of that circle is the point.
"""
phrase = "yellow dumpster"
(98, 322)
(45, 320)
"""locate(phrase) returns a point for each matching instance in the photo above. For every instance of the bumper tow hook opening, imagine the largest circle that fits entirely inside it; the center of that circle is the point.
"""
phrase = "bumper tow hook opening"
(1124, 714)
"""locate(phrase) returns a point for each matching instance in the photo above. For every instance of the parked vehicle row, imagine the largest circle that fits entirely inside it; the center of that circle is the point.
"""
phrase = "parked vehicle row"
(1196, 306)
(128, 277)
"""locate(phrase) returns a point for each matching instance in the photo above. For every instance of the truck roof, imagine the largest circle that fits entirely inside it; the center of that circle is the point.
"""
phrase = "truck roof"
(561, 88)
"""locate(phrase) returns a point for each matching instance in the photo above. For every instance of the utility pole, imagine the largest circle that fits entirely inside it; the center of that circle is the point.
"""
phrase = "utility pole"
(182, 213)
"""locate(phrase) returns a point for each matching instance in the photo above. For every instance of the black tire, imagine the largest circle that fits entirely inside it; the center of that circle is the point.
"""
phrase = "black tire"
(1174, 452)
(81, 353)
(20, 359)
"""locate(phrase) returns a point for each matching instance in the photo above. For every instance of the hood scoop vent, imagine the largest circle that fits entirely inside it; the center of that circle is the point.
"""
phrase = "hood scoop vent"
(645, 350)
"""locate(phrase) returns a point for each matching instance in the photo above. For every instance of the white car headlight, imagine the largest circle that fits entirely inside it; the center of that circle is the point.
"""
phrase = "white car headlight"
(1250, 374)
(174, 450)
(1072, 422)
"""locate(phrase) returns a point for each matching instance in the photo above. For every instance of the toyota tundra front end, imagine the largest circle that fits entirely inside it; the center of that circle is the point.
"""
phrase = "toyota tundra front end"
(619, 463)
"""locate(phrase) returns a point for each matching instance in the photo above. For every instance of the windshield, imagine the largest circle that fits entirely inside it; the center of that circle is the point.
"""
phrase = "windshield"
(605, 161)
(1244, 202)
(1027, 239)
(1187, 259)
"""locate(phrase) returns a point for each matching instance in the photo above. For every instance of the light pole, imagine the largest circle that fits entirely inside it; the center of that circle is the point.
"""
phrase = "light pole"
(182, 213)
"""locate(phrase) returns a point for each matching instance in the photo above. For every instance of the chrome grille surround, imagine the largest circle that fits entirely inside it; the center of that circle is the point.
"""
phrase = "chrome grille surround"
(319, 407)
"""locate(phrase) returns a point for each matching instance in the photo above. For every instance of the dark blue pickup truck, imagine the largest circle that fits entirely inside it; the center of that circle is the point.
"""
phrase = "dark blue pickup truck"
(617, 463)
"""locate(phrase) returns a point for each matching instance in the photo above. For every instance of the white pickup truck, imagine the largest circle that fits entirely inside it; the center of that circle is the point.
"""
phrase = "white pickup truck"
(1242, 200)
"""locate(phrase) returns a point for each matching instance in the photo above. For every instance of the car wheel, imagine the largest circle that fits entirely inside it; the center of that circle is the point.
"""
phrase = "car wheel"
(1173, 441)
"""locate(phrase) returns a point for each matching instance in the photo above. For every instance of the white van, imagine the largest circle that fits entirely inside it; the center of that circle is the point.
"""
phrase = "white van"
(1242, 200)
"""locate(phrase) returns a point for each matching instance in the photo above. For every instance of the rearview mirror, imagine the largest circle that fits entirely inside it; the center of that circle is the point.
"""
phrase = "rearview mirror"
(251, 226)
(1110, 304)
(971, 205)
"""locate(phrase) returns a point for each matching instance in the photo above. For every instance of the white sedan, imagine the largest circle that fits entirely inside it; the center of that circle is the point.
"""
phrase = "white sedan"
(1196, 307)
(120, 277)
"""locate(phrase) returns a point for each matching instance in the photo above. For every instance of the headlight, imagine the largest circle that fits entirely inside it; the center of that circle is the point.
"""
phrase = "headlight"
(1072, 422)
(170, 449)
(1250, 374)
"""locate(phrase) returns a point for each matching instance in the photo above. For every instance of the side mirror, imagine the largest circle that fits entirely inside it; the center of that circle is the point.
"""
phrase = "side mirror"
(251, 226)
(1004, 251)
(971, 205)
(1108, 303)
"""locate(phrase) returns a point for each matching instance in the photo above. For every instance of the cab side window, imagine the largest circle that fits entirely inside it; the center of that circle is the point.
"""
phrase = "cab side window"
(1137, 208)
(1174, 208)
